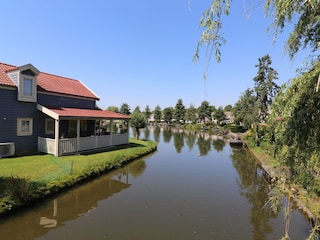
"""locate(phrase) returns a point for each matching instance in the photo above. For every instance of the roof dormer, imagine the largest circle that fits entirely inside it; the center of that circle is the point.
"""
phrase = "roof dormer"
(25, 78)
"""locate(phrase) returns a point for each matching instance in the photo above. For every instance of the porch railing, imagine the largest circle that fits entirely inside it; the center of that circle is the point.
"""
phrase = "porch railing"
(74, 145)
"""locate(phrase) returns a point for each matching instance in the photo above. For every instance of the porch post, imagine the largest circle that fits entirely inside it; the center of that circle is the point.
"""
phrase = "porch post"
(111, 140)
(128, 126)
(78, 134)
(56, 138)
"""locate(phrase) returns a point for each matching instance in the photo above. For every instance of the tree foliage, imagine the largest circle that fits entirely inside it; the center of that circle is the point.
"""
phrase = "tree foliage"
(296, 130)
(167, 114)
(302, 15)
(137, 121)
(245, 110)
(113, 109)
(265, 87)
(147, 112)
(204, 111)
(191, 114)
(179, 111)
(228, 108)
(157, 114)
(211, 24)
(219, 115)
(125, 109)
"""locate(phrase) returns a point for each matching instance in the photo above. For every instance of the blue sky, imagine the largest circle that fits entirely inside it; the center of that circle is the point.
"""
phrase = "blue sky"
(140, 52)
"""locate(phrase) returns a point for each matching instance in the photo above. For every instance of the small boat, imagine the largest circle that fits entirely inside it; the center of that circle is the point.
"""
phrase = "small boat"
(236, 142)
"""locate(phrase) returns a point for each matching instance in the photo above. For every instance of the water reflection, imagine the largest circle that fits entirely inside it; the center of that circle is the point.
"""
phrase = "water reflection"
(204, 144)
(218, 144)
(178, 140)
(183, 137)
(167, 134)
(172, 195)
(156, 134)
(68, 206)
(254, 188)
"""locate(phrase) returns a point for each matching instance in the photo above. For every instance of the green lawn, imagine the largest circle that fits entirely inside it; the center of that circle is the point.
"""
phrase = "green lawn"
(24, 179)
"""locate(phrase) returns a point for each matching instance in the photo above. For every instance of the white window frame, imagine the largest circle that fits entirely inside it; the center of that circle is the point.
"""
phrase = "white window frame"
(49, 126)
(20, 129)
(21, 95)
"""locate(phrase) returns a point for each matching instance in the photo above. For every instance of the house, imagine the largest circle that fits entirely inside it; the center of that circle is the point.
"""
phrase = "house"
(229, 117)
(41, 112)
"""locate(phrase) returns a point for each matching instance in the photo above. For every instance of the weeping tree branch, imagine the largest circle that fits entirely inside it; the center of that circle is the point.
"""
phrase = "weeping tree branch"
(211, 35)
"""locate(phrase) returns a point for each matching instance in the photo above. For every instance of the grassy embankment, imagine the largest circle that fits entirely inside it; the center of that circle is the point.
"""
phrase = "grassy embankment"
(310, 205)
(24, 180)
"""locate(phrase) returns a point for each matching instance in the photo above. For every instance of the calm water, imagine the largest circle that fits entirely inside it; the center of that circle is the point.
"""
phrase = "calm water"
(193, 187)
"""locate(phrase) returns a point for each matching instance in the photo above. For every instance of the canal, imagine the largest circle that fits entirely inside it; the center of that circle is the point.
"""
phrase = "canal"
(194, 187)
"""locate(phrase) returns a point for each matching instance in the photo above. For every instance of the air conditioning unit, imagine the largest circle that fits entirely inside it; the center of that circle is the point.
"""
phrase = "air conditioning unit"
(7, 149)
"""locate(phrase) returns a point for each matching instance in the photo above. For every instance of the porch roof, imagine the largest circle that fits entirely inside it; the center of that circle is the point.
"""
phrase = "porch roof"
(77, 113)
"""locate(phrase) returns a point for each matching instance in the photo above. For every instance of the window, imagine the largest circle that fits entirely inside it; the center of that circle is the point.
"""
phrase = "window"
(49, 126)
(24, 126)
(27, 87)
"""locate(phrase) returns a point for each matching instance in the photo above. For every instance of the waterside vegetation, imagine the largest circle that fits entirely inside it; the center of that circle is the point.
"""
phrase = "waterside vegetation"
(25, 180)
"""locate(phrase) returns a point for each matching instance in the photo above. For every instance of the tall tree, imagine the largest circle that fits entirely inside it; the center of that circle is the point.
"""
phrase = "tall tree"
(167, 114)
(245, 110)
(265, 87)
(137, 121)
(219, 115)
(157, 114)
(204, 111)
(228, 108)
(137, 108)
(113, 109)
(191, 114)
(125, 109)
(147, 112)
(179, 111)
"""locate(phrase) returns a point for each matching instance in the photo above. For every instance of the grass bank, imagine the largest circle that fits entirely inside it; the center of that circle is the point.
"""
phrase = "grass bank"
(310, 205)
(25, 180)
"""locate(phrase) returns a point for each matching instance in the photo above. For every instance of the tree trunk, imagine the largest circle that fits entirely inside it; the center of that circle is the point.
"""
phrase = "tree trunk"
(137, 133)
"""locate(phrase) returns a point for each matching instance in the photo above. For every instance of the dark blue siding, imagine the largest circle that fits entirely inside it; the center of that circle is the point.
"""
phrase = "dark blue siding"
(60, 101)
(10, 110)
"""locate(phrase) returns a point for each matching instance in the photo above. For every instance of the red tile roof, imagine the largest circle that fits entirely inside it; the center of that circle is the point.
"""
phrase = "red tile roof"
(87, 113)
(4, 79)
(51, 83)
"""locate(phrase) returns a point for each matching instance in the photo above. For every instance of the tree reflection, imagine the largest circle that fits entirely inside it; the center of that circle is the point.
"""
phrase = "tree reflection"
(254, 187)
(218, 145)
(204, 144)
(136, 168)
(146, 133)
(190, 139)
(156, 133)
(167, 133)
(178, 139)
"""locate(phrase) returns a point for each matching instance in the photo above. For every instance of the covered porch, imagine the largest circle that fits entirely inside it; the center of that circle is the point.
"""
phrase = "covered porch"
(80, 140)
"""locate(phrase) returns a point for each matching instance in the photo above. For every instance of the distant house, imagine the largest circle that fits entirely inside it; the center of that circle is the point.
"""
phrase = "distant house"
(41, 112)
(229, 117)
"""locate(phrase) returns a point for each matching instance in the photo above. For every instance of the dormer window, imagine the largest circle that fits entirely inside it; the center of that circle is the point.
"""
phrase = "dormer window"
(27, 89)
(25, 77)
(27, 86)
